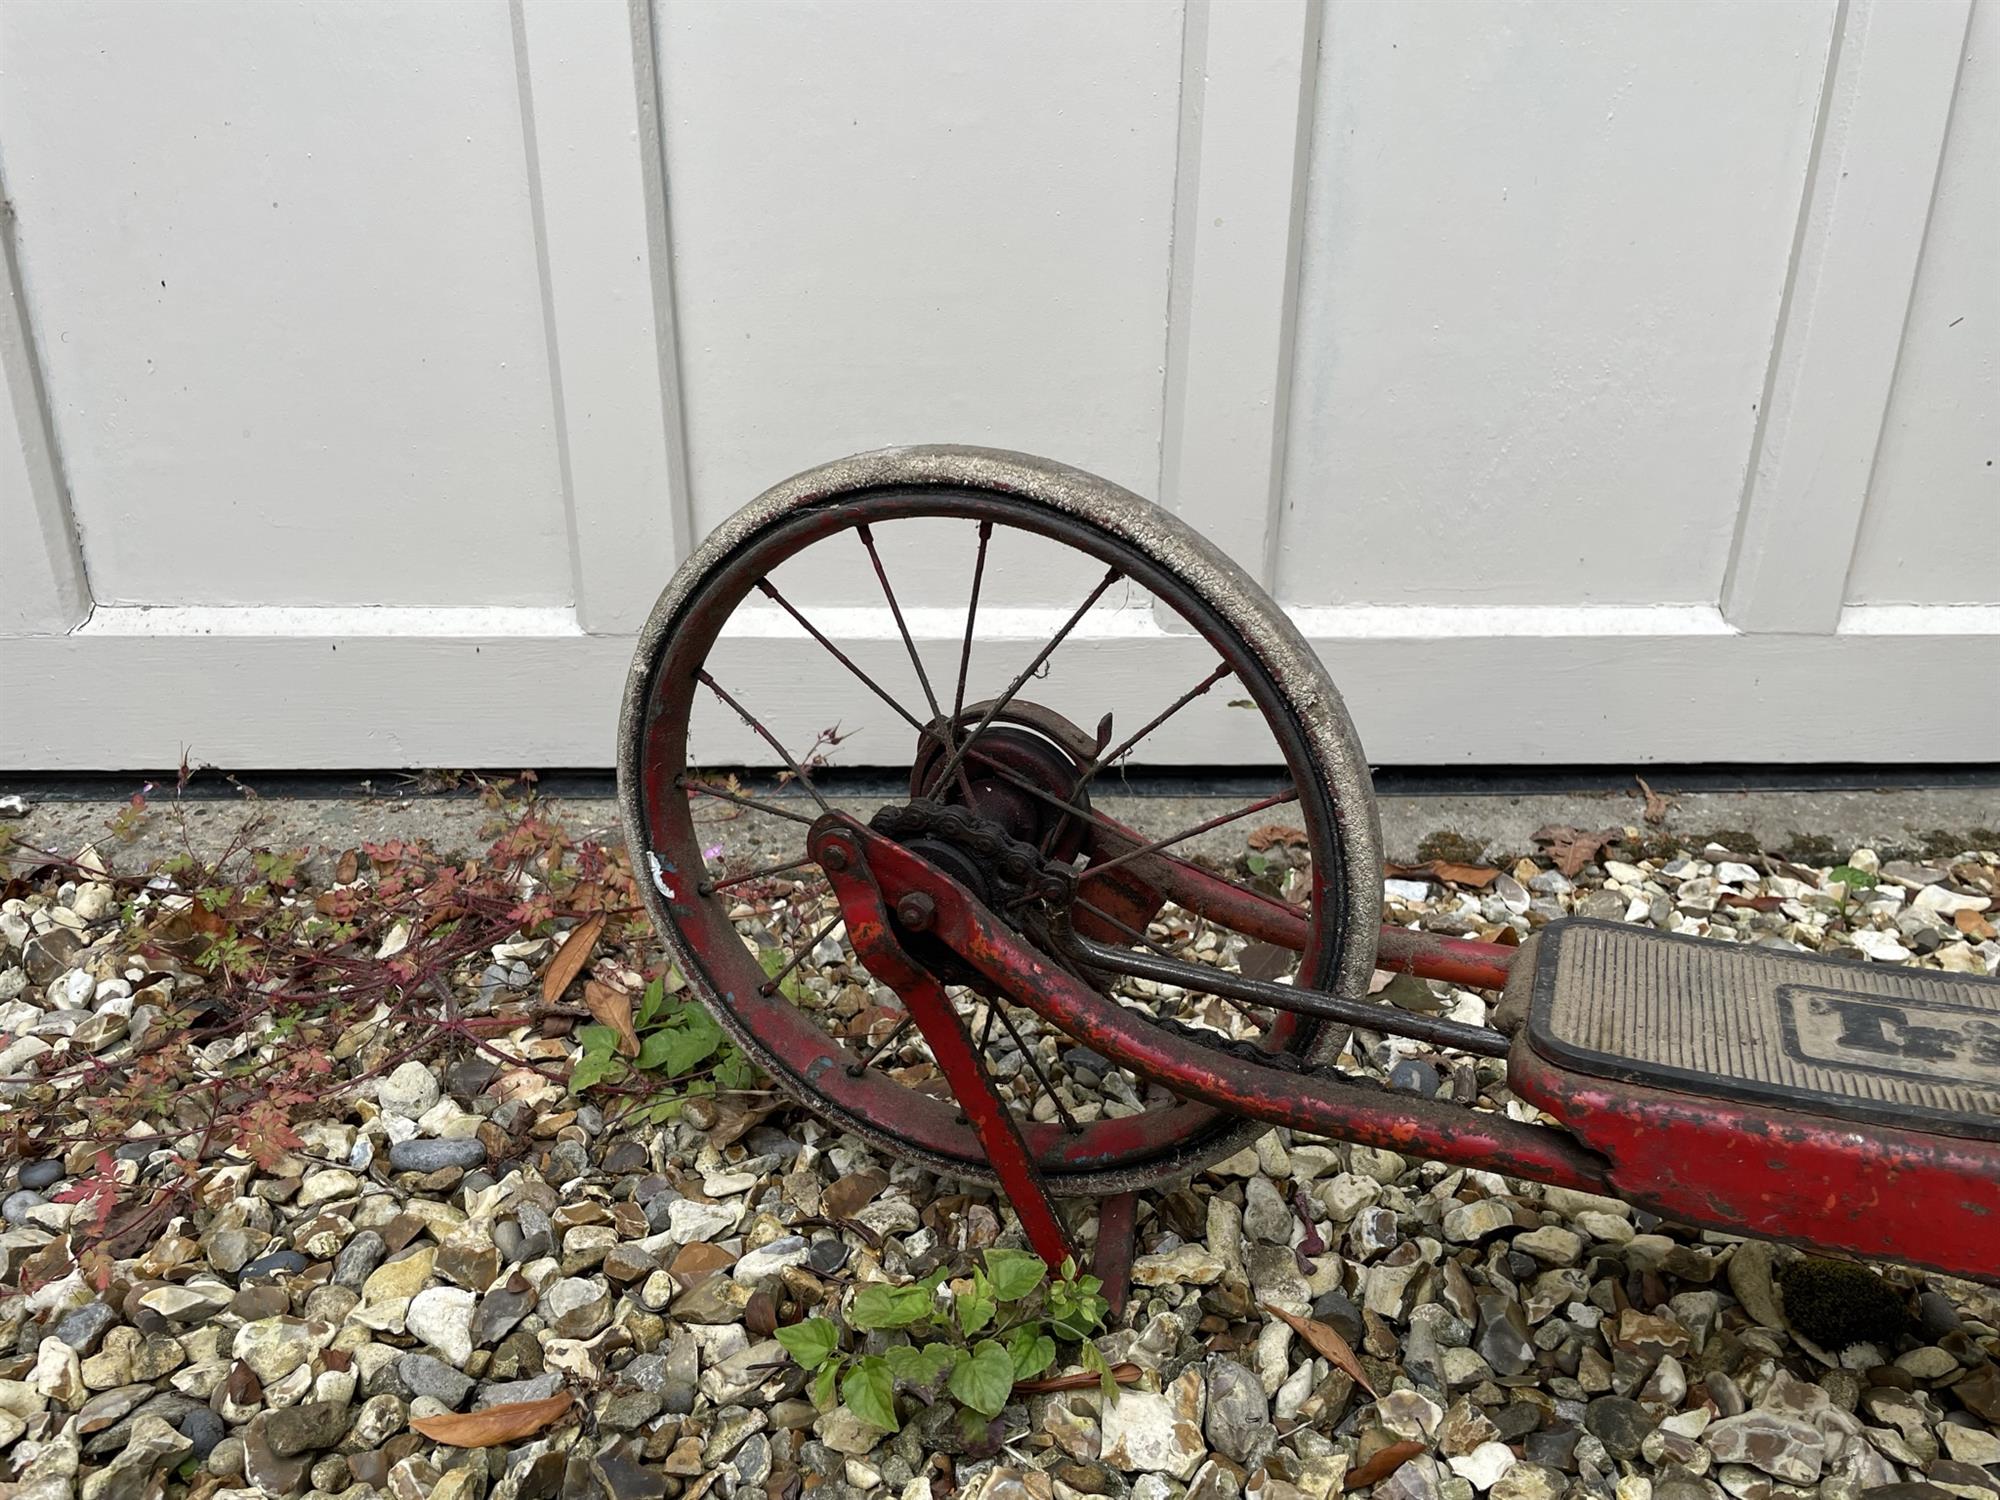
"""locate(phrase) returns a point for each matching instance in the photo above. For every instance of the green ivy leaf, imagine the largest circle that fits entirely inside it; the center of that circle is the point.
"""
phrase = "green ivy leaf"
(1031, 1350)
(1082, 1319)
(975, 1308)
(879, 1305)
(685, 1041)
(1853, 879)
(984, 1380)
(810, 1342)
(735, 1071)
(870, 1392)
(1015, 1273)
(824, 1384)
(649, 1004)
(914, 1366)
(600, 1059)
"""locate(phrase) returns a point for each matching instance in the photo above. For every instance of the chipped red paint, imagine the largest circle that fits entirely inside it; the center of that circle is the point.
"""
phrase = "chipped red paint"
(992, 1121)
(1455, 960)
(1111, 1262)
(1479, 966)
(1928, 1200)
(1246, 911)
(1324, 1103)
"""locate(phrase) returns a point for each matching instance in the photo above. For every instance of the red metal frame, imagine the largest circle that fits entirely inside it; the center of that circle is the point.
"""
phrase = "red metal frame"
(1117, 1219)
(868, 930)
(1928, 1200)
(1425, 954)
(1700, 1161)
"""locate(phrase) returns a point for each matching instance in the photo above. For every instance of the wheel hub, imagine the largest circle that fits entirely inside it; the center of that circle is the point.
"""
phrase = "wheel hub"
(1024, 773)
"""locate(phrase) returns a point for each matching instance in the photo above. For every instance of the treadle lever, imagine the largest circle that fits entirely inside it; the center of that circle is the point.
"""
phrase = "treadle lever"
(1911, 1048)
(1837, 1104)
(869, 931)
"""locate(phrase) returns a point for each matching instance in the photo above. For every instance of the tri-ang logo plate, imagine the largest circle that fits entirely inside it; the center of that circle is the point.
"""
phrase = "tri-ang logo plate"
(1933, 1040)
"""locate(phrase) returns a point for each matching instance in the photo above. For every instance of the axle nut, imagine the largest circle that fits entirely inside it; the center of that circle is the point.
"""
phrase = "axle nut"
(834, 855)
(916, 911)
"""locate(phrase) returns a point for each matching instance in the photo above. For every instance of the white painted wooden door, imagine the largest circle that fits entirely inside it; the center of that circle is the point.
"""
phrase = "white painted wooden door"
(1594, 382)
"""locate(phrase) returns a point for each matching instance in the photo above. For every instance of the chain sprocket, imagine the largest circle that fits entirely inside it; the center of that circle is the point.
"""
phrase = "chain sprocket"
(1017, 867)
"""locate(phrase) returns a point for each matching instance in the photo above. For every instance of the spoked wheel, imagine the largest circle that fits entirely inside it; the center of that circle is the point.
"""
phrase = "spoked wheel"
(783, 642)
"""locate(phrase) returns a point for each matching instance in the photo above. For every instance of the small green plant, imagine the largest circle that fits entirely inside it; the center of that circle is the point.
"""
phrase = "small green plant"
(679, 1043)
(970, 1339)
(1855, 880)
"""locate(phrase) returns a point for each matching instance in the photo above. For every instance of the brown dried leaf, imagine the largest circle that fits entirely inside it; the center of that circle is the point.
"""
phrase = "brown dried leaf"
(506, 1423)
(1573, 848)
(1478, 877)
(1752, 903)
(1656, 805)
(209, 924)
(346, 868)
(1277, 833)
(1381, 1466)
(242, 1385)
(570, 959)
(847, 1196)
(613, 1007)
(1327, 1343)
(1266, 961)
(727, 1121)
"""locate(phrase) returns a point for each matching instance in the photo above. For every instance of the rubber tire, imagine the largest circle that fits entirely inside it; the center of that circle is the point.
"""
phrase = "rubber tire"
(1312, 699)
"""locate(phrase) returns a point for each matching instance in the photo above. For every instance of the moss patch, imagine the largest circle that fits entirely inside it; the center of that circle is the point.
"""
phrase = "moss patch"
(1812, 849)
(1836, 1303)
(1454, 848)
(1942, 843)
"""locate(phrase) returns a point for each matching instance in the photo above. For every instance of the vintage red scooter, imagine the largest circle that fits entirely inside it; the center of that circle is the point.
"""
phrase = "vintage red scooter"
(1846, 1106)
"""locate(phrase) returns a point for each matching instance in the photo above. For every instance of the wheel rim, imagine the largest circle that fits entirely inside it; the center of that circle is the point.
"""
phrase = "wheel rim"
(810, 1061)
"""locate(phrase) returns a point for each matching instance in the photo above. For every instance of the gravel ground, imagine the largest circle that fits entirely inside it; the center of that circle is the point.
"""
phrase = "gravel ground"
(1815, 826)
(446, 1238)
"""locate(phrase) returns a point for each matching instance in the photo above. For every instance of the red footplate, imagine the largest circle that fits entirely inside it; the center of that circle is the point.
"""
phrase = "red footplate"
(1844, 1105)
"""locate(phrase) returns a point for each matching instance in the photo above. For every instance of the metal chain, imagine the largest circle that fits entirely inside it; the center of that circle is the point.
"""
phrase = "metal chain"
(1014, 862)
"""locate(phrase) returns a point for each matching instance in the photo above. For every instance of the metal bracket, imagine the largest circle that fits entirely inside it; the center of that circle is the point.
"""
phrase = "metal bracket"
(869, 930)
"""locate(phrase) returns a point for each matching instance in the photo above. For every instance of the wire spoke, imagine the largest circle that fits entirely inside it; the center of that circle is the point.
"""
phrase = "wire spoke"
(770, 985)
(771, 593)
(709, 887)
(1125, 927)
(856, 1069)
(1098, 820)
(994, 709)
(1111, 757)
(1291, 795)
(971, 613)
(1106, 758)
(881, 574)
(932, 731)
(1034, 1066)
(768, 738)
(705, 790)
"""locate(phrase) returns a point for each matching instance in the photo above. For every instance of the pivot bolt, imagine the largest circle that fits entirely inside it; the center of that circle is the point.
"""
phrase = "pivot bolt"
(834, 855)
(915, 910)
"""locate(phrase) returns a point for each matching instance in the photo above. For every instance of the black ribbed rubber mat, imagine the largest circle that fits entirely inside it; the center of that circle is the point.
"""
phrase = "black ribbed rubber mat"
(1910, 1047)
